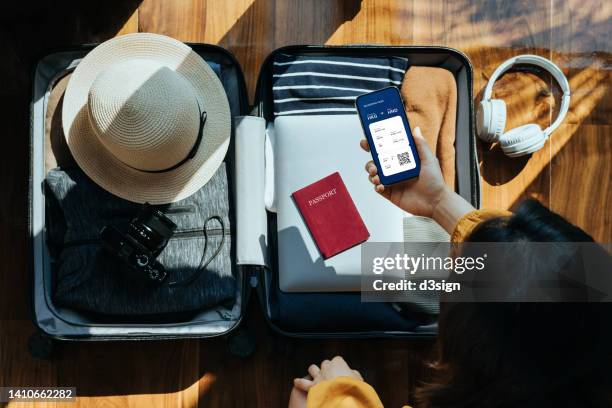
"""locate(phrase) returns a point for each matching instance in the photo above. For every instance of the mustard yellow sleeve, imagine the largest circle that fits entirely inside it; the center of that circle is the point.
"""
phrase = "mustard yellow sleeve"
(466, 225)
(343, 392)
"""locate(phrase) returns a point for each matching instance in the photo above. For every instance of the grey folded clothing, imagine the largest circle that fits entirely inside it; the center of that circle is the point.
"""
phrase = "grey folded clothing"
(88, 278)
(422, 236)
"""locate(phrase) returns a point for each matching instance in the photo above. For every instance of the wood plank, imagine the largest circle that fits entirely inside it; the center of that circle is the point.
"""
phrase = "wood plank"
(234, 25)
(250, 36)
(27, 33)
(584, 195)
(392, 366)
(132, 374)
(131, 25)
(490, 32)
(17, 368)
(332, 22)
(581, 151)
(571, 173)
(181, 19)
(122, 374)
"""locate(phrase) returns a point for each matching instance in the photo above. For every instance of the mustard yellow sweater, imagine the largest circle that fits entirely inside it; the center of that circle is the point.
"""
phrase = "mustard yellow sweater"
(347, 392)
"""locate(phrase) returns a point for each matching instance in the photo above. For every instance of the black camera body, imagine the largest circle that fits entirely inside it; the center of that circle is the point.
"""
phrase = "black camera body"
(146, 236)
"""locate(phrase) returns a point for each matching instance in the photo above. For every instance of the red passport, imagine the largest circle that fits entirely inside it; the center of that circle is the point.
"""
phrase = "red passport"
(331, 215)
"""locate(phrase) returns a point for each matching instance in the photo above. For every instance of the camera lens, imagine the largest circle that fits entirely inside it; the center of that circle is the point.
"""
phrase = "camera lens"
(142, 260)
(151, 228)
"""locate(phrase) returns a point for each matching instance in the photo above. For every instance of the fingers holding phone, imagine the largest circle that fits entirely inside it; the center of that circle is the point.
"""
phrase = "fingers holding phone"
(419, 195)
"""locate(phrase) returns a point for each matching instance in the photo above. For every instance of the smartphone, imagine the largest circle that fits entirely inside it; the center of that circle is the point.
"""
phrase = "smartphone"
(388, 133)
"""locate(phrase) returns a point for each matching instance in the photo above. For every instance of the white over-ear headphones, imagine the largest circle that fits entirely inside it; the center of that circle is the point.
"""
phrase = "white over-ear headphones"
(491, 119)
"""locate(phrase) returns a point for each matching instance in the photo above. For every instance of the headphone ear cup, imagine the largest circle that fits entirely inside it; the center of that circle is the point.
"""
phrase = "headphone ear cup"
(498, 118)
(522, 140)
(491, 120)
(483, 119)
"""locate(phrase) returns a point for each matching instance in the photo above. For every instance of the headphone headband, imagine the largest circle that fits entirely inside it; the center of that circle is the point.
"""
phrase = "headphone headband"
(549, 67)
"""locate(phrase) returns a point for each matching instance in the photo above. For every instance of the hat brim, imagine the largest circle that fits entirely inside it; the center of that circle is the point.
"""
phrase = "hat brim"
(115, 176)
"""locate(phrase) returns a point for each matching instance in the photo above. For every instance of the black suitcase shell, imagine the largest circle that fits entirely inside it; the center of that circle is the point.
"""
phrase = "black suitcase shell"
(354, 319)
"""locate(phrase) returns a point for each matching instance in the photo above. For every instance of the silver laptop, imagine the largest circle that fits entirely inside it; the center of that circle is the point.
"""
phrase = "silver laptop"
(306, 149)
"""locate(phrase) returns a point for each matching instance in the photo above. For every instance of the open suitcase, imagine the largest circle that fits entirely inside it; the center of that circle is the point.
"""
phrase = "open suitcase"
(333, 314)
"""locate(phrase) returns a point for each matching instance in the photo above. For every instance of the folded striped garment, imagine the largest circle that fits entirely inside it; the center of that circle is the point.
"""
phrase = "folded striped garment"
(319, 85)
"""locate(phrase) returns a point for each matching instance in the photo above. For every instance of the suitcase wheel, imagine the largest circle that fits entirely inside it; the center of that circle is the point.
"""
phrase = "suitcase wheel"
(42, 346)
(241, 343)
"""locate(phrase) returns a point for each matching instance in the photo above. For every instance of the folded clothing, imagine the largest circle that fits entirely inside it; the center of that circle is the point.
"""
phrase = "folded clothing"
(422, 235)
(338, 312)
(311, 85)
(423, 229)
(88, 278)
(430, 99)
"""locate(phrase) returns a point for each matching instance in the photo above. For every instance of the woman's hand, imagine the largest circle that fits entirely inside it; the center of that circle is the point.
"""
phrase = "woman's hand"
(298, 398)
(330, 369)
(426, 195)
(420, 195)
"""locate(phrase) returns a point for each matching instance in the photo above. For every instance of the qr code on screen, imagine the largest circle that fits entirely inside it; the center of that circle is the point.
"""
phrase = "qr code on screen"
(403, 158)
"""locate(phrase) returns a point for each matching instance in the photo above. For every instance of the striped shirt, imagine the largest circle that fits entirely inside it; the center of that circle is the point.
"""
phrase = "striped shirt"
(315, 85)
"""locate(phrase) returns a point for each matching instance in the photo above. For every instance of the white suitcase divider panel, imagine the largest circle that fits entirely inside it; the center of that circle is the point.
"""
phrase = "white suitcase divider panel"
(249, 182)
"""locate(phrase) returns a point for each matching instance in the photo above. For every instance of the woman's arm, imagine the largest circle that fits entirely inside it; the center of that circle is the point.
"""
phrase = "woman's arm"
(426, 195)
(450, 208)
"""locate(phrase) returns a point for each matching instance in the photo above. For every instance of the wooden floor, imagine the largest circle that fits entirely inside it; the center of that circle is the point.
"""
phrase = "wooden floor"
(571, 174)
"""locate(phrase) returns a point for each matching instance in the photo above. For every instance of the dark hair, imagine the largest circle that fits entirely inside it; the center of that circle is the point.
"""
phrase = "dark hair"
(520, 354)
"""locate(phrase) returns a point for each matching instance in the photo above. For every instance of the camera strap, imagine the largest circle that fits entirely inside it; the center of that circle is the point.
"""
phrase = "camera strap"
(204, 262)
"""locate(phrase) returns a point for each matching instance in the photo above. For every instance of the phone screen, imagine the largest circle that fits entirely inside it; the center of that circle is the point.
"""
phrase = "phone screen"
(388, 132)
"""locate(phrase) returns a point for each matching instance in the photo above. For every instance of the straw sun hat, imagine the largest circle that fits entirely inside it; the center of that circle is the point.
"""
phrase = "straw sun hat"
(146, 118)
